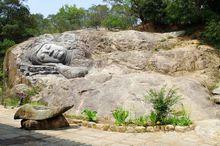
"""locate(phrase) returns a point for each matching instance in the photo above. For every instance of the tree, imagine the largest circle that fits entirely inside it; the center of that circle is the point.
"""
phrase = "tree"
(96, 14)
(15, 21)
(181, 12)
(145, 10)
(119, 17)
(68, 18)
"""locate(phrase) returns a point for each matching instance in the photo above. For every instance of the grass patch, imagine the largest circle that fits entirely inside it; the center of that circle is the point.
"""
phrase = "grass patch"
(15, 102)
(178, 121)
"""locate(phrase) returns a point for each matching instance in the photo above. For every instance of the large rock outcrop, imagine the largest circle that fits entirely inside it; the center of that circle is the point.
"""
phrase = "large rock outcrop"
(117, 69)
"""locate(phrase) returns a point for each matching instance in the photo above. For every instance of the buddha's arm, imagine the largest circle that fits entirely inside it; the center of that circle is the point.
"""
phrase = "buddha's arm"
(71, 72)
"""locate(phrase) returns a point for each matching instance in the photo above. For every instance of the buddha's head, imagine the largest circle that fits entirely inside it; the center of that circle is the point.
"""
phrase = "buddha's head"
(48, 53)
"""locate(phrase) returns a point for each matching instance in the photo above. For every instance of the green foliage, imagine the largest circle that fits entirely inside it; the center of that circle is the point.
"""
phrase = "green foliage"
(153, 118)
(33, 91)
(149, 10)
(90, 115)
(181, 12)
(178, 120)
(1, 74)
(163, 102)
(1, 79)
(26, 97)
(14, 102)
(120, 116)
(68, 18)
(16, 22)
(115, 22)
(4, 45)
(212, 33)
(141, 121)
(96, 14)
(178, 117)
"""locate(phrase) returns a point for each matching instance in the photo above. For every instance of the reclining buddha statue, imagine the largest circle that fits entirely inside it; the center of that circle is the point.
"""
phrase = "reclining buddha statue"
(51, 58)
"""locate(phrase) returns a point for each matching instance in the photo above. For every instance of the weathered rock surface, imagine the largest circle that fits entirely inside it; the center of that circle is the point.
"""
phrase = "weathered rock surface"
(111, 69)
(29, 112)
(19, 89)
(209, 129)
(51, 123)
(215, 99)
(216, 91)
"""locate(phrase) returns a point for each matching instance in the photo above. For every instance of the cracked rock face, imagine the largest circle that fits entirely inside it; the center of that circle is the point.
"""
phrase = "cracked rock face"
(106, 70)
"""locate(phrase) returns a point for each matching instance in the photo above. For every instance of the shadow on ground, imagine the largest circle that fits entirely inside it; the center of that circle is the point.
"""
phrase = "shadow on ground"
(14, 136)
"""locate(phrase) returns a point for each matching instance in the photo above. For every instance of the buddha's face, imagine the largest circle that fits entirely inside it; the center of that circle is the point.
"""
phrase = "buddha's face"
(51, 53)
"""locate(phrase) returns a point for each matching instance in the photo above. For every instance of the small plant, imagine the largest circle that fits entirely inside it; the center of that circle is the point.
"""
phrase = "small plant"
(178, 120)
(120, 116)
(141, 121)
(153, 118)
(90, 115)
(33, 91)
(163, 103)
(25, 97)
(13, 102)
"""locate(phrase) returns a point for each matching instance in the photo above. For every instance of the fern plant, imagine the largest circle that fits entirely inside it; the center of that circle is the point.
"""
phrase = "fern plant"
(120, 116)
(90, 115)
(163, 102)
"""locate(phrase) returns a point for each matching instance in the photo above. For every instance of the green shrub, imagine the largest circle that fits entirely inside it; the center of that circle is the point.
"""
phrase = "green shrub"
(25, 97)
(117, 21)
(120, 116)
(90, 115)
(163, 102)
(5, 45)
(1, 81)
(212, 33)
(181, 12)
(1, 74)
(141, 121)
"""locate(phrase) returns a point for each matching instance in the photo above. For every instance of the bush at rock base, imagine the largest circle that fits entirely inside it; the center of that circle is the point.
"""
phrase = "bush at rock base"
(163, 104)
(212, 33)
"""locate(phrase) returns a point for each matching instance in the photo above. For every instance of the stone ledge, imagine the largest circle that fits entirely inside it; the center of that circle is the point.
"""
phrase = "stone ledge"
(130, 129)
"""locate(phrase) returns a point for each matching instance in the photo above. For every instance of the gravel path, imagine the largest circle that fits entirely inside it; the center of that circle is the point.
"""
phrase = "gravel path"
(11, 134)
